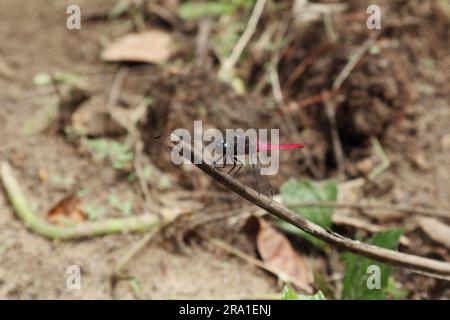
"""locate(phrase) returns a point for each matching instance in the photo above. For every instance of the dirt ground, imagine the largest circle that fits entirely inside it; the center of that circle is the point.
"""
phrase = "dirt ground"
(410, 116)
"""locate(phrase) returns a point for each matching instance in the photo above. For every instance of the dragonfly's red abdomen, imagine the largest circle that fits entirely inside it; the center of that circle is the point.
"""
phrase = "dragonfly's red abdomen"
(286, 146)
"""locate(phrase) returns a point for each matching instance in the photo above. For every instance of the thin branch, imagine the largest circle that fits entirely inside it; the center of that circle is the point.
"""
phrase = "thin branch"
(136, 248)
(337, 145)
(231, 61)
(114, 94)
(279, 98)
(329, 28)
(275, 81)
(356, 57)
(345, 220)
(164, 14)
(384, 255)
(202, 41)
(435, 212)
(131, 127)
(139, 145)
(305, 63)
(250, 259)
(385, 162)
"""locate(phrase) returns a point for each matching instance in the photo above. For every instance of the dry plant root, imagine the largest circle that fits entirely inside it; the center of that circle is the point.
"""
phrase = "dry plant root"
(85, 230)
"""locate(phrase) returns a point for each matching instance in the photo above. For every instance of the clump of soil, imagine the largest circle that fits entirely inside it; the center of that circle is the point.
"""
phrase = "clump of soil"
(375, 98)
(197, 94)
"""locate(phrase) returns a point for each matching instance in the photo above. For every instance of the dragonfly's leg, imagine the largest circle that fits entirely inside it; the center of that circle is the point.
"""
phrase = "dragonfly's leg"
(215, 165)
(237, 163)
(233, 167)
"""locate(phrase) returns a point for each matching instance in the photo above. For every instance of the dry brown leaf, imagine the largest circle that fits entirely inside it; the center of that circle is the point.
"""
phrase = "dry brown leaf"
(69, 209)
(153, 46)
(279, 255)
(436, 230)
(384, 214)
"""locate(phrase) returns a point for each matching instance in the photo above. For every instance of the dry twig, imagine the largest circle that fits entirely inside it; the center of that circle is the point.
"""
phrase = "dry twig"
(436, 212)
(229, 63)
(284, 277)
(114, 95)
(356, 57)
(279, 98)
(337, 145)
(137, 247)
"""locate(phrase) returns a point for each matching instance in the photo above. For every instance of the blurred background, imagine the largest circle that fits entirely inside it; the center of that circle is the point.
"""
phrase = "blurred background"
(85, 86)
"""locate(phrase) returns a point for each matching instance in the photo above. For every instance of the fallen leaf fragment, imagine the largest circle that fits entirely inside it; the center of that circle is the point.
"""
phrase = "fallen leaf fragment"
(68, 210)
(279, 255)
(436, 230)
(153, 46)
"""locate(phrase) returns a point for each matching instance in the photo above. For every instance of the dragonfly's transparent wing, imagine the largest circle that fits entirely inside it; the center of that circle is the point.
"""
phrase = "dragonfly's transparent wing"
(261, 182)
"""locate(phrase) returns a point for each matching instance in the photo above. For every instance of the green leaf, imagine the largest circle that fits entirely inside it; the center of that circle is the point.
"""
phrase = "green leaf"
(83, 192)
(66, 77)
(136, 287)
(119, 9)
(62, 181)
(194, 11)
(94, 213)
(294, 192)
(361, 272)
(226, 39)
(322, 283)
(394, 292)
(289, 293)
(42, 79)
(374, 49)
(318, 296)
(123, 206)
(119, 154)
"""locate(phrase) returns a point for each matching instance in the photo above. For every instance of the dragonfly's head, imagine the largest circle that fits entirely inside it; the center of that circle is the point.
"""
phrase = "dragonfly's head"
(222, 147)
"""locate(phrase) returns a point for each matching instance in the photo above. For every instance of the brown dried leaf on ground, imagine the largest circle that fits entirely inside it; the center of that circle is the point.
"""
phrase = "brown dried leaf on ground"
(153, 46)
(436, 230)
(68, 210)
(279, 255)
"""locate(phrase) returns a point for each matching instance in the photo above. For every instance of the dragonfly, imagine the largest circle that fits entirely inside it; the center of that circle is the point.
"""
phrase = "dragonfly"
(241, 146)
(238, 150)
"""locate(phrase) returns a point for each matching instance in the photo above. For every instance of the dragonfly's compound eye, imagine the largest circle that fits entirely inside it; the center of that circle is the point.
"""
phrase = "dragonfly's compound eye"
(221, 147)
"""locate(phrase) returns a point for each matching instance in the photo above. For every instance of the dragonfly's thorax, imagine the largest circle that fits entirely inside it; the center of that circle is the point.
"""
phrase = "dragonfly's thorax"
(234, 147)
